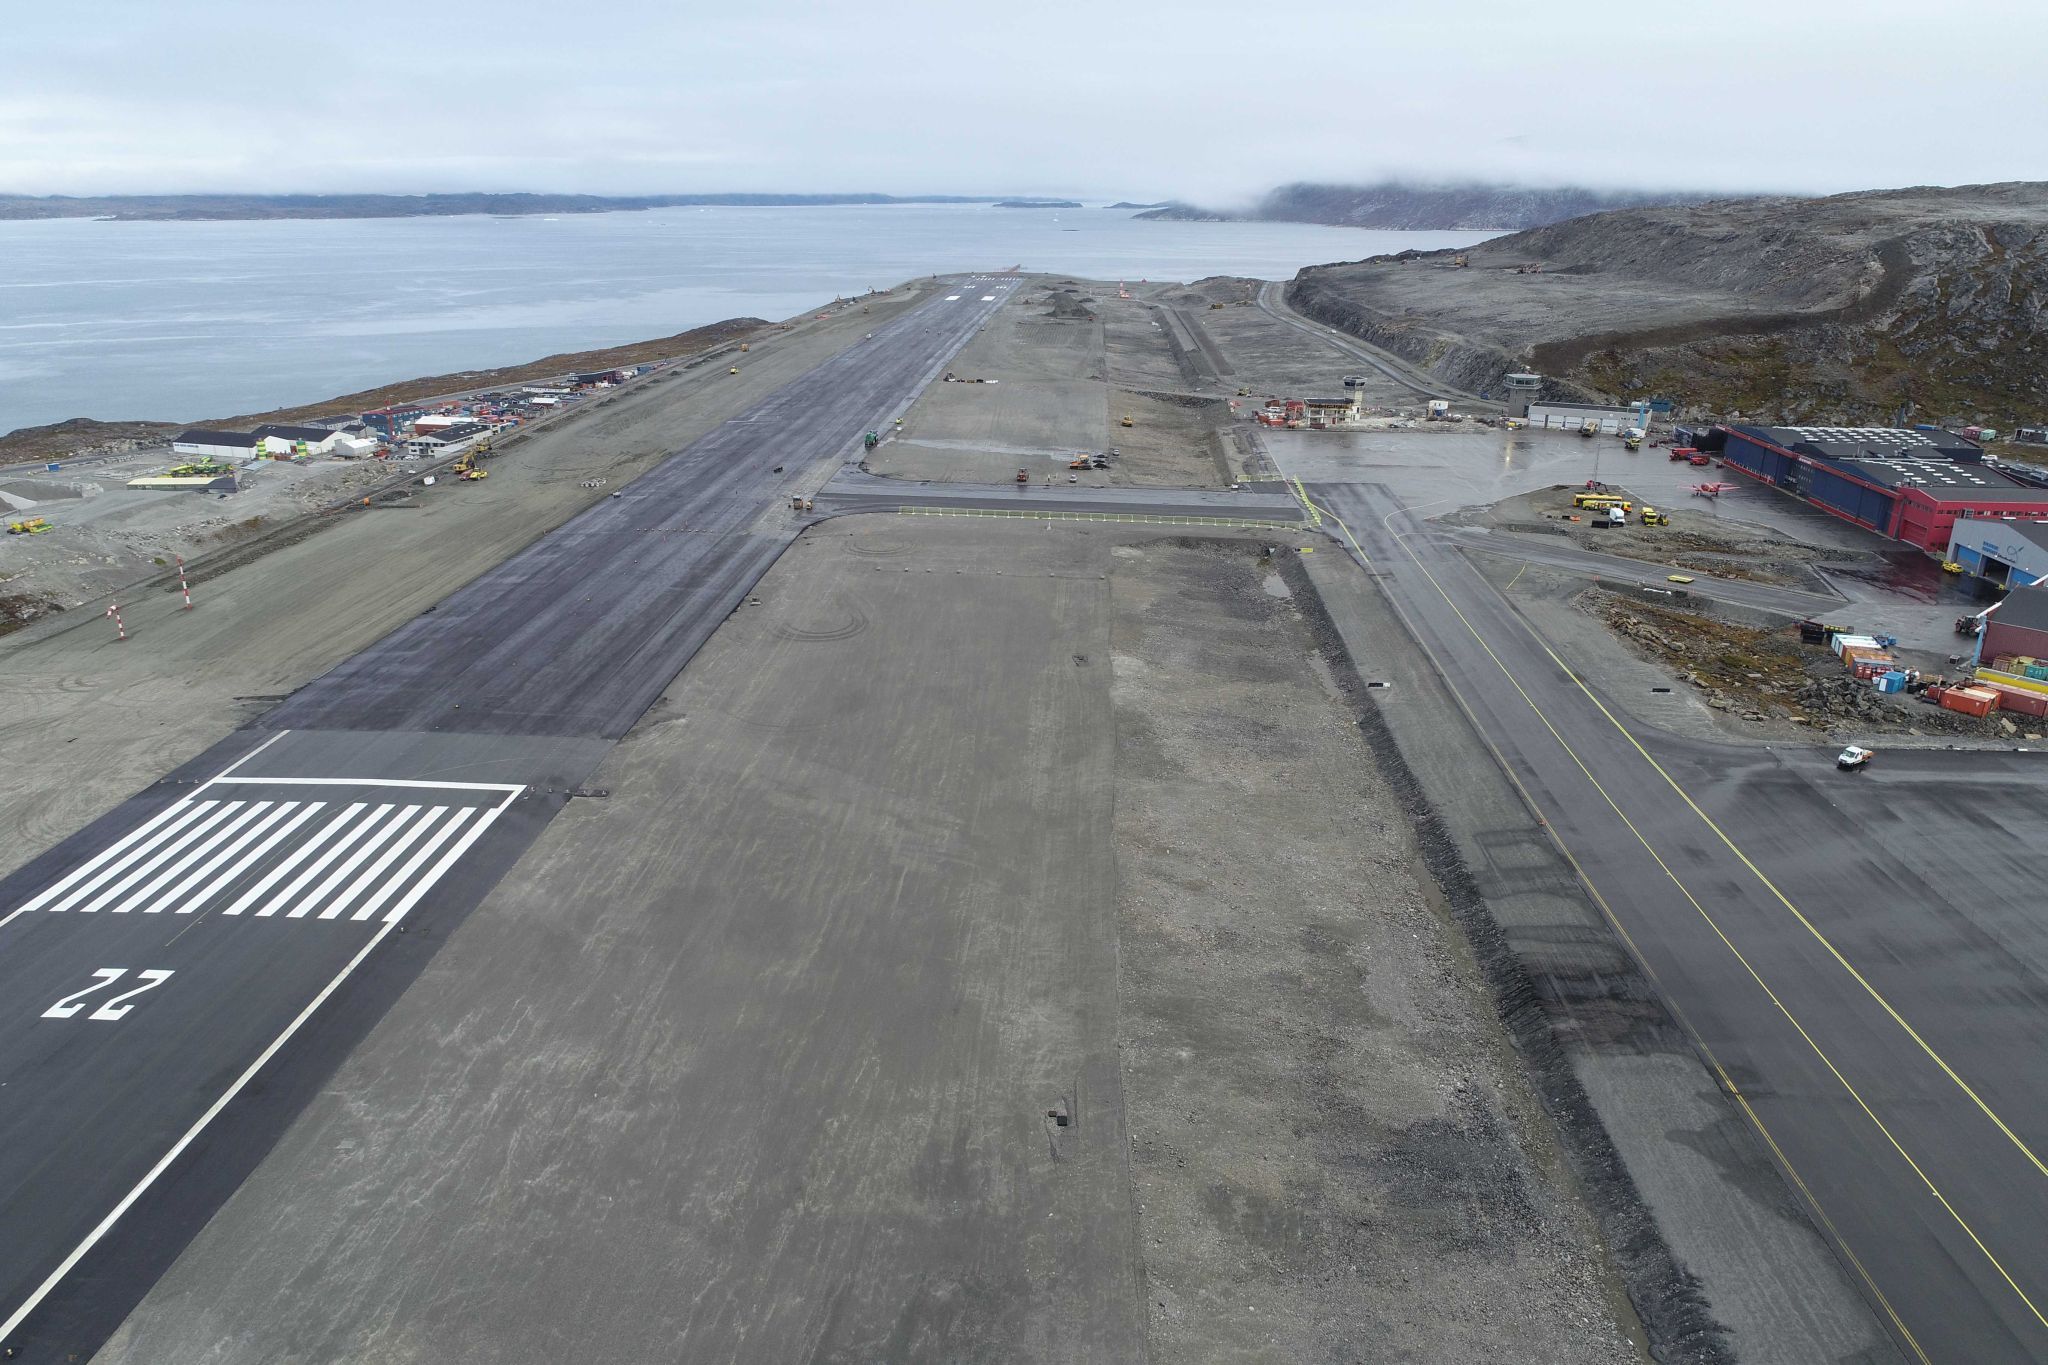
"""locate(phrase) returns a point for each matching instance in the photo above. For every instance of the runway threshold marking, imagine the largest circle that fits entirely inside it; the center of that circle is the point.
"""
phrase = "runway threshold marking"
(1726, 942)
(142, 849)
(299, 859)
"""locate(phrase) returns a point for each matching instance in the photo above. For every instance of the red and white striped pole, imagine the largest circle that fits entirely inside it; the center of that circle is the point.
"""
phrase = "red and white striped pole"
(120, 631)
(183, 587)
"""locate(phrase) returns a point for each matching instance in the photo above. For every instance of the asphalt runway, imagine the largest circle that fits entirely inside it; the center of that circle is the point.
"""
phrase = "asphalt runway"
(178, 977)
(1858, 956)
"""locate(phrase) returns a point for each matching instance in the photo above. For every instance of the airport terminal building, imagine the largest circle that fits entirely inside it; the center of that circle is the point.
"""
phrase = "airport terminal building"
(1910, 485)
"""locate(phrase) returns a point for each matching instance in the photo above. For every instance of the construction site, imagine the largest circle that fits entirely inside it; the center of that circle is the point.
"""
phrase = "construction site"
(994, 850)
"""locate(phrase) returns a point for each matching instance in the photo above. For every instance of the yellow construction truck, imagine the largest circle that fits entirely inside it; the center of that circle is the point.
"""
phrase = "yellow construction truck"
(34, 526)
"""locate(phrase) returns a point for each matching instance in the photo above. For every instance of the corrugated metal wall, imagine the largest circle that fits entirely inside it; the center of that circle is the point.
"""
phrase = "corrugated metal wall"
(1765, 464)
(1869, 506)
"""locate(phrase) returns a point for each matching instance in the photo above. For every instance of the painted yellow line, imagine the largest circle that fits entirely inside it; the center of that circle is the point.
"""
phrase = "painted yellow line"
(1517, 578)
(1315, 514)
(1769, 885)
(1712, 924)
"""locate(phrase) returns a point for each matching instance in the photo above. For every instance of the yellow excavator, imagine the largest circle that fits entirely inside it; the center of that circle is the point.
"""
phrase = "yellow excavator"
(466, 468)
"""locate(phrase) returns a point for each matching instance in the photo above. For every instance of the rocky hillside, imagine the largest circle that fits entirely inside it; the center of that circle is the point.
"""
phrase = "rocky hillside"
(1421, 208)
(1850, 308)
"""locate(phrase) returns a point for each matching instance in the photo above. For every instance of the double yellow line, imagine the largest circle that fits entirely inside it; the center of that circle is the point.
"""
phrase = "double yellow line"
(1728, 1082)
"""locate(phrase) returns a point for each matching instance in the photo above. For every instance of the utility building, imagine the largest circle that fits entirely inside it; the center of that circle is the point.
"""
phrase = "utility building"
(2005, 550)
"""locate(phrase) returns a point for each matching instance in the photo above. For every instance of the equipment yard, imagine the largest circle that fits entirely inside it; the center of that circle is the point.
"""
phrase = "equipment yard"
(859, 854)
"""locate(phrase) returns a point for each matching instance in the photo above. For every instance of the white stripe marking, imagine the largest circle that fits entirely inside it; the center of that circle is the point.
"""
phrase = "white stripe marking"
(320, 864)
(412, 865)
(376, 782)
(426, 883)
(298, 855)
(186, 811)
(952, 298)
(165, 849)
(222, 775)
(320, 893)
(201, 850)
(163, 1164)
(391, 855)
(86, 869)
(254, 856)
(249, 836)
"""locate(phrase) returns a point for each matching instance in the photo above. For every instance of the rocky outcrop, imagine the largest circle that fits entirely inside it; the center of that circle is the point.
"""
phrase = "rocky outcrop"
(1854, 308)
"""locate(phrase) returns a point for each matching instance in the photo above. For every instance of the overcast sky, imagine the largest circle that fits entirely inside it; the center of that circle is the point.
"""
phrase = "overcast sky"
(1126, 98)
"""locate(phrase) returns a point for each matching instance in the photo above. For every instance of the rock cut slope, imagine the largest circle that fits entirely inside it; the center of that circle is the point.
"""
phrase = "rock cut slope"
(1845, 308)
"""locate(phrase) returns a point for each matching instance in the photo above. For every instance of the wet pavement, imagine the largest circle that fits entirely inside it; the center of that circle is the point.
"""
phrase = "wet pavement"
(1436, 471)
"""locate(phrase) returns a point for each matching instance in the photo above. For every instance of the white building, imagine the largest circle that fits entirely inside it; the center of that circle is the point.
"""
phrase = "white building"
(202, 443)
(1572, 416)
(446, 440)
(291, 440)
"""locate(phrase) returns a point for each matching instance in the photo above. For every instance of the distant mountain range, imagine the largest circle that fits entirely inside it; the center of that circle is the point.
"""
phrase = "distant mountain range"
(1398, 207)
(218, 207)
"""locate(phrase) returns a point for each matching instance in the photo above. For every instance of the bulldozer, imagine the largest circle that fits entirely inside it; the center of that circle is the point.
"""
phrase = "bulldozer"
(34, 526)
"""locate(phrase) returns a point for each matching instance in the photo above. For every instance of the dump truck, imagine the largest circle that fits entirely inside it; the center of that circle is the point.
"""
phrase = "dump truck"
(1652, 517)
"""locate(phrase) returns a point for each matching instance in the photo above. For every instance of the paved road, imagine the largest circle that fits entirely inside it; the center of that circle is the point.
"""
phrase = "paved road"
(179, 976)
(1273, 299)
(1860, 957)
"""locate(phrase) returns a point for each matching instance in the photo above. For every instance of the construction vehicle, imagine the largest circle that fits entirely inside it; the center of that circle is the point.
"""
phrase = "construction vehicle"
(1634, 442)
(204, 469)
(734, 370)
(1589, 427)
(1950, 566)
(1652, 517)
(1078, 462)
(466, 470)
(1127, 422)
(799, 504)
(34, 526)
(743, 348)
(1459, 262)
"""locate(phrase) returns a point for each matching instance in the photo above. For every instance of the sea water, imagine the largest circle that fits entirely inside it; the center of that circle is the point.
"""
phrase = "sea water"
(190, 321)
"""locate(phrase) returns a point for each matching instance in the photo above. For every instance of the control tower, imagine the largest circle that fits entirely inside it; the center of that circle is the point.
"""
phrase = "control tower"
(1523, 389)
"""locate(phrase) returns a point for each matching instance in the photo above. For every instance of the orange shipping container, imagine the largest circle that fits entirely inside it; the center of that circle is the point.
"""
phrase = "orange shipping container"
(1971, 701)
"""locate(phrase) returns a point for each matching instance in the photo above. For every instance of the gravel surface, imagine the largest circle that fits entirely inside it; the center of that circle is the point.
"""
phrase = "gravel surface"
(1336, 1154)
